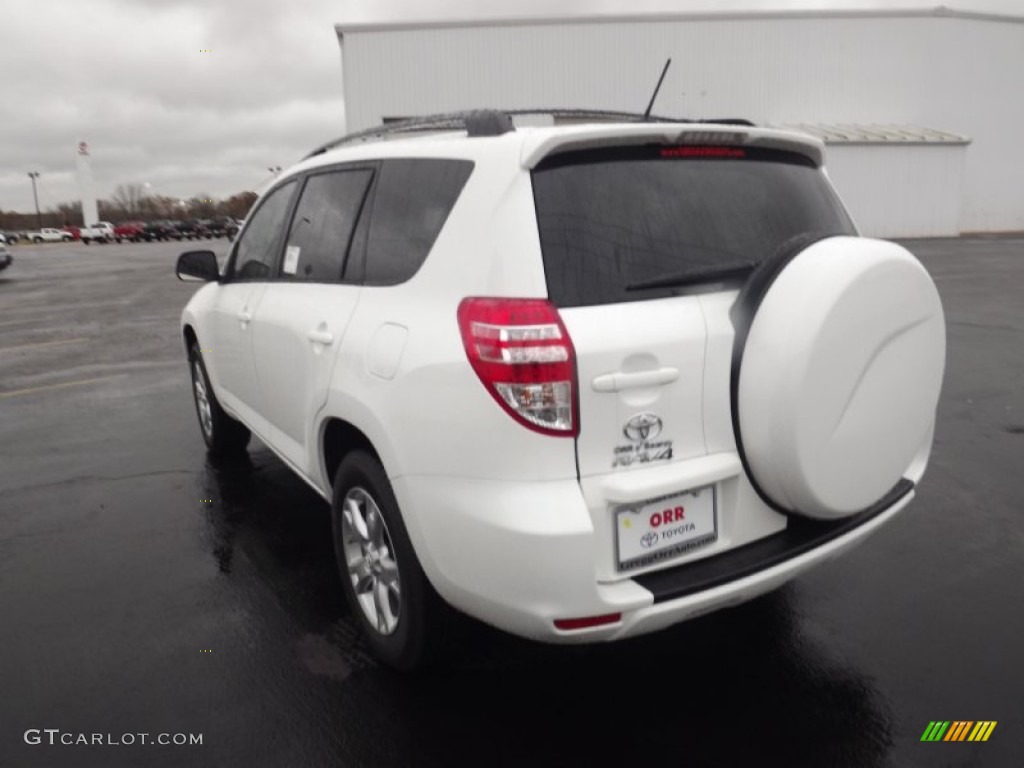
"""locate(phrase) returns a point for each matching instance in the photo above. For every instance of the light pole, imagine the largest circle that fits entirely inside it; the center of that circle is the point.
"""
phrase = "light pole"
(39, 219)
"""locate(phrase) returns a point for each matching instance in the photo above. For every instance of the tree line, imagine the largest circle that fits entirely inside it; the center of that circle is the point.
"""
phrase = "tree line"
(130, 202)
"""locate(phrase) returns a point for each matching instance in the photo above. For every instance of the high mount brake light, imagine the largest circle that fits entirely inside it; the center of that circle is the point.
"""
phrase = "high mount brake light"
(694, 151)
(522, 353)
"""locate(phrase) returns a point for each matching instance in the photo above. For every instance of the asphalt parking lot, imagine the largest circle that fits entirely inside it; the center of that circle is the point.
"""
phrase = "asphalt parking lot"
(144, 589)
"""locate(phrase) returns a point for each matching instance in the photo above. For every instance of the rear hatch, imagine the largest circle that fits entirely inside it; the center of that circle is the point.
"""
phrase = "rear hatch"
(632, 239)
(644, 249)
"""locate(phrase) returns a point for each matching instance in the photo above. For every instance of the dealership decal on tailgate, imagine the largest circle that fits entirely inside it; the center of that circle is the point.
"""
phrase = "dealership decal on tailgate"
(665, 527)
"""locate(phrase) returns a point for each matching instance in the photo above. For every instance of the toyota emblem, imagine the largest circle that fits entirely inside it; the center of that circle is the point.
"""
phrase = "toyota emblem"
(643, 426)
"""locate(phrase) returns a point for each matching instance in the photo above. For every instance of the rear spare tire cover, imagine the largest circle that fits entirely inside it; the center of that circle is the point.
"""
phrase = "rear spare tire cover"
(837, 371)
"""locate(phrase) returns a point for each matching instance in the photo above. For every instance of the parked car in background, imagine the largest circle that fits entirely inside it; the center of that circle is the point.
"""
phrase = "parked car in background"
(194, 229)
(11, 237)
(220, 226)
(212, 228)
(49, 235)
(5, 255)
(233, 227)
(73, 230)
(161, 230)
(100, 232)
(129, 230)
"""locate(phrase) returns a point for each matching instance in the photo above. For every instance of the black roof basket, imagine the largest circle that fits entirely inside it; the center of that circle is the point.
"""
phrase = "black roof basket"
(495, 122)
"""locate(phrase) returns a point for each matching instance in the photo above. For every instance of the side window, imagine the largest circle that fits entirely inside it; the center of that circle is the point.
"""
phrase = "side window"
(411, 203)
(256, 252)
(323, 224)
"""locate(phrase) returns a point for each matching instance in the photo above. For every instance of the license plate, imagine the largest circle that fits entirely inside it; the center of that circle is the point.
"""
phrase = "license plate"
(665, 527)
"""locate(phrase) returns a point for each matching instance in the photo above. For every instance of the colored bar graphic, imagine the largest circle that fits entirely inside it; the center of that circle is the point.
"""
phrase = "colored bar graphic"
(935, 730)
(958, 730)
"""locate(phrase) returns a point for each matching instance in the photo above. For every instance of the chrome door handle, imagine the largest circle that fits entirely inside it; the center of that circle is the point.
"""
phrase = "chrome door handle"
(321, 337)
(615, 382)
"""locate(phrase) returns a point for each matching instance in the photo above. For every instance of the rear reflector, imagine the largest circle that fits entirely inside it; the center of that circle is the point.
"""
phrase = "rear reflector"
(588, 621)
(522, 353)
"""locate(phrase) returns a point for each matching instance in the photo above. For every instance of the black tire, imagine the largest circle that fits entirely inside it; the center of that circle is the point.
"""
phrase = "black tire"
(85, 241)
(423, 619)
(37, 239)
(222, 434)
(67, 238)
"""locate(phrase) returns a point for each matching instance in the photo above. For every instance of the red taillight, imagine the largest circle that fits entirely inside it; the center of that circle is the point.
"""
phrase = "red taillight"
(522, 353)
(588, 621)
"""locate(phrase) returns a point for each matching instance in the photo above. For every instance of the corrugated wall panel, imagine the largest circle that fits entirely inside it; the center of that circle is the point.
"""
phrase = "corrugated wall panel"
(946, 73)
(900, 190)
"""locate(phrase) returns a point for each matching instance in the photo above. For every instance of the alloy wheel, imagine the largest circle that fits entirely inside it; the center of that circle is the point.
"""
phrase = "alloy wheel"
(202, 400)
(370, 561)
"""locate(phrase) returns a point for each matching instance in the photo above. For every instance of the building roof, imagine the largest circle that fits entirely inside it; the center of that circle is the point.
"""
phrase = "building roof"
(850, 133)
(394, 14)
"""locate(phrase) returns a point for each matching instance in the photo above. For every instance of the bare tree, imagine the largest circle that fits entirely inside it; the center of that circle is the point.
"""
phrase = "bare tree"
(237, 206)
(202, 206)
(70, 213)
(128, 197)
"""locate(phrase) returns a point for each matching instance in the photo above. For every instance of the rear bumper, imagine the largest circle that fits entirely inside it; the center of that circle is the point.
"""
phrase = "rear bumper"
(519, 556)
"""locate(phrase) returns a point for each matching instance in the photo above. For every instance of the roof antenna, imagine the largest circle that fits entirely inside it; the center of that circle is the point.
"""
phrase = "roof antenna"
(647, 112)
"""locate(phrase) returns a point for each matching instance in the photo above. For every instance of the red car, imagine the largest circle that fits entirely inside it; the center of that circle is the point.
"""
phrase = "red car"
(75, 232)
(128, 230)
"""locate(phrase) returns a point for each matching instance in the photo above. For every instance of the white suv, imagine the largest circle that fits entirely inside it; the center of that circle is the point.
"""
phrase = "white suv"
(580, 382)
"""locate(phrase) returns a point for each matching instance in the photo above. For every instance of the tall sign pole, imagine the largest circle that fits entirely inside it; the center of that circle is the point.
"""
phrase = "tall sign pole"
(85, 186)
(39, 219)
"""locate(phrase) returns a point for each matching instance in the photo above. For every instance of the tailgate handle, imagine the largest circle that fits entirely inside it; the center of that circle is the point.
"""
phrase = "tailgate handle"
(321, 336)
(615, 382)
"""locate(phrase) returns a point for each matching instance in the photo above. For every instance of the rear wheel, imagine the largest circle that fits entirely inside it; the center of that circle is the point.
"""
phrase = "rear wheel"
(223, 435)
(400, 614)
(37, 239)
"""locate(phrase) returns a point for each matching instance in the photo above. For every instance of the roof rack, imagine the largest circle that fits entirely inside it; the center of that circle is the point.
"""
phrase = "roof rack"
(495, 122)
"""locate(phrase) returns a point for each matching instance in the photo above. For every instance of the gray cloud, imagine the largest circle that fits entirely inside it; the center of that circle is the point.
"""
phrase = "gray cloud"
(129, 76)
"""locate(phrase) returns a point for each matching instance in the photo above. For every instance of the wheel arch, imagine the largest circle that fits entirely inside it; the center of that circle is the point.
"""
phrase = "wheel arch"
(338, 438)
(189, 336)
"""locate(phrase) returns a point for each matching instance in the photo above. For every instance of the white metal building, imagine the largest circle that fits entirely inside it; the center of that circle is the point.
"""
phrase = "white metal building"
(920, 106)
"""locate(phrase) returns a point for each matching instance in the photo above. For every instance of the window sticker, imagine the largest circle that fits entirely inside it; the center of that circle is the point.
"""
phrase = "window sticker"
(291, 259)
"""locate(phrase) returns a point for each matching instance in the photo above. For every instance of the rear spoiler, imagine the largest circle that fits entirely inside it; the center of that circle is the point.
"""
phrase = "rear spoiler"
(544, 142)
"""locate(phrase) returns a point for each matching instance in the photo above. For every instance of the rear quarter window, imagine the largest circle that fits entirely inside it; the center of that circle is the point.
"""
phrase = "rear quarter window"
(411, 203)
(612, 218)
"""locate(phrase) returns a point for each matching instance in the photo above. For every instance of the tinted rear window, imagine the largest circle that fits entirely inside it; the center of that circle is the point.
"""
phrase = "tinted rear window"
(612, 218)
(411, 204)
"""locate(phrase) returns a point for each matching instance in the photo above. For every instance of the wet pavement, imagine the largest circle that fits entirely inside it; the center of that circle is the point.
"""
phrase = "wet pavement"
(144, 589)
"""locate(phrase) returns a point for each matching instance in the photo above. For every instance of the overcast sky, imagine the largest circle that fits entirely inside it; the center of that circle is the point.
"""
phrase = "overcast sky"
(131, 78)
(128, 76)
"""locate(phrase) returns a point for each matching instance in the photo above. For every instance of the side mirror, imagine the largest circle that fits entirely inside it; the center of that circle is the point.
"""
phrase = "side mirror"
(197, 265)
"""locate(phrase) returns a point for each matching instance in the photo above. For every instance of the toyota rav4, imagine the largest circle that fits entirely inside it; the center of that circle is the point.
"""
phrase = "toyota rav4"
(580, 382)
